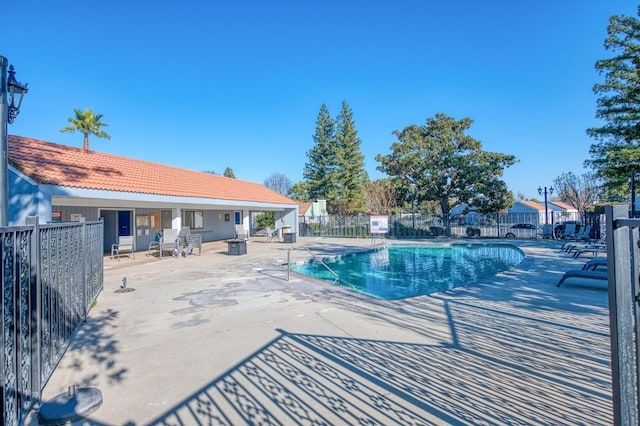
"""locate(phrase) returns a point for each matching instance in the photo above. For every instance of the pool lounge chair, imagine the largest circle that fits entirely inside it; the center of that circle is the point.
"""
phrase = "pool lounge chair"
(582, 273)
(582, 235)
(569, 231)
(570, 239)
(572, 248)
(547, 232)
(594, 250)
(592, 264)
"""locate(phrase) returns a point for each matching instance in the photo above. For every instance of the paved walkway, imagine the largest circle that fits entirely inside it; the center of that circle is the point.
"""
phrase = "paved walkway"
(219, 339)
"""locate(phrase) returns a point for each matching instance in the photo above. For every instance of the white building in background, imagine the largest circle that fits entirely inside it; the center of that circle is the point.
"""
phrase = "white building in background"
(522, 211)
(563, 212)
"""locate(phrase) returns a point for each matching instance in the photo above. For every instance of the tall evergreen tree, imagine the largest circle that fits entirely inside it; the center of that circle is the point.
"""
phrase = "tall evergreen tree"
(228, 172)
(321, 168)
(299, 191)
(351, 174)
(617, 152)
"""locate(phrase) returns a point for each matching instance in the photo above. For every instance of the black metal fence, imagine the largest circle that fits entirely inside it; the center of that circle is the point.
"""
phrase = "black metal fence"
(495, 225)
(50, 276)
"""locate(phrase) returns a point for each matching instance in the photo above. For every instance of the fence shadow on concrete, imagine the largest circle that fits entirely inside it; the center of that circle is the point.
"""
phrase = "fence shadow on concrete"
(529, 354)
(507, 379)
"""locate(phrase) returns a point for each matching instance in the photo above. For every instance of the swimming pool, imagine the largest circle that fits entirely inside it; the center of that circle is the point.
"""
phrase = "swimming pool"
(403, 271)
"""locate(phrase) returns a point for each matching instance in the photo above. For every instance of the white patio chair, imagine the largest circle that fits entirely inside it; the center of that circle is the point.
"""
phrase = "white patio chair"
(271, 234)
(155, 243)
(169, 242)
(124, 245)
(241, 233)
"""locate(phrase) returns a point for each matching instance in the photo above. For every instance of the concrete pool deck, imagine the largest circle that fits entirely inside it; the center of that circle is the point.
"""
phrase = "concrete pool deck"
(219, 339)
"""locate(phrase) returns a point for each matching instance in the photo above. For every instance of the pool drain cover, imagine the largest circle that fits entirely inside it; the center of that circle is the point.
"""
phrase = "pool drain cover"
(70, 406)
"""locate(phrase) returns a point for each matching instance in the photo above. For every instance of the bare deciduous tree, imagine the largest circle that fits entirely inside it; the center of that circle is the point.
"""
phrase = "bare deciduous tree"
(380, 196)
(278, 182)
(581, 192)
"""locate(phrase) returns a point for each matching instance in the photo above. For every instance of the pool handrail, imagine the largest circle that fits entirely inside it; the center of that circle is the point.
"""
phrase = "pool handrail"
(312, 255)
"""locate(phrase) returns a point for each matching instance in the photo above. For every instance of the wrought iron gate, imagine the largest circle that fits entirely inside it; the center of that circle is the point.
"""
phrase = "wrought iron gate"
(50, 276)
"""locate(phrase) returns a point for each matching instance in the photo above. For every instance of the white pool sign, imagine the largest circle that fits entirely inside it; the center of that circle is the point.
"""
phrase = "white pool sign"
(379, 224)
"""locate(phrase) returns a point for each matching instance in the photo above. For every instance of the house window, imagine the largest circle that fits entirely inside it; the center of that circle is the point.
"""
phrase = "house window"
(194, 219)
(237, 216)
(165, 219)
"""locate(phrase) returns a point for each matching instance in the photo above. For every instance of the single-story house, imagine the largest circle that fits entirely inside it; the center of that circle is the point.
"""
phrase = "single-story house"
(563, 211)
(524, 211)
(59, 183)
(465, 215)
(556, 211)
(313, 211)
(310, 213)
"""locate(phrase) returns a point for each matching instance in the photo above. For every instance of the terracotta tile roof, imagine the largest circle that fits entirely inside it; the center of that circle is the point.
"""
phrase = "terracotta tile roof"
(54, 164)
(532, 204)
(304, 207)
(563, 205)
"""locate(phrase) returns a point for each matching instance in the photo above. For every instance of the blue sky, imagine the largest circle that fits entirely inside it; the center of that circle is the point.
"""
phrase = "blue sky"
(208, 84)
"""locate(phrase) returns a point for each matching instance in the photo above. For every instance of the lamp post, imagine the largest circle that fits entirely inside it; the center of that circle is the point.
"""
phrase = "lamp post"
(632, 182)
(11, 93)
(546, 208)
(413, 208)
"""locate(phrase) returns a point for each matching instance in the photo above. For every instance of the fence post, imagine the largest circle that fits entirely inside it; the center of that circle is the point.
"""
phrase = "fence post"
(85, 259)
(622, 240)
(36, 305)
(2, 332)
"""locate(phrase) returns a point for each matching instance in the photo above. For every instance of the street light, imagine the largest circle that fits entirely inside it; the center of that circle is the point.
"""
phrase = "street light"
(14, 91)
(413, 207)
(540, 191)
(632, 182)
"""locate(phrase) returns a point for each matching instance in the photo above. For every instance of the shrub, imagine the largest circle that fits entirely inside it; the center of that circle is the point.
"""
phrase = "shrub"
(473, 232)
(437, 231)
(266, 220)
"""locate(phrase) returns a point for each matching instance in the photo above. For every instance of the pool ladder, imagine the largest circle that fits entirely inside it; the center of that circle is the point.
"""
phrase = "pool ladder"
(312, 255)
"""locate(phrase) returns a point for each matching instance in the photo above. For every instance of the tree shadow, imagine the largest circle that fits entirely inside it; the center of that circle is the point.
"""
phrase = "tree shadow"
(95, 338)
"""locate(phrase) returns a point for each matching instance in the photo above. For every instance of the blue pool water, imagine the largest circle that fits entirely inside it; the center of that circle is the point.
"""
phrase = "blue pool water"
(399, 272)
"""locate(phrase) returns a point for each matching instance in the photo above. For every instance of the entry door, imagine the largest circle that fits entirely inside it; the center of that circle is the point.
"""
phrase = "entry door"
(124, 223)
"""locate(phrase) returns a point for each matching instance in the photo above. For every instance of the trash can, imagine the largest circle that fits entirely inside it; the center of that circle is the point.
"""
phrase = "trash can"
(236, 247)
(289, 237)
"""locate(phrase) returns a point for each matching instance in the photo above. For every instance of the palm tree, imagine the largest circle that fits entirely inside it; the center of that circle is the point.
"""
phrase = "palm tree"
(89, 124)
